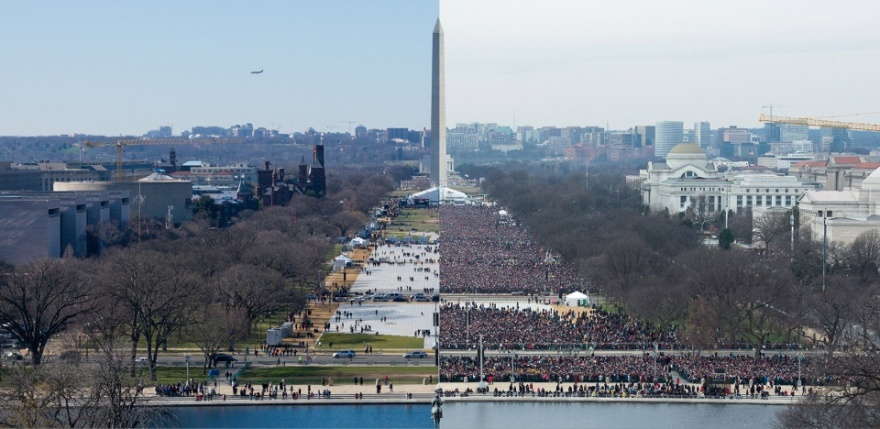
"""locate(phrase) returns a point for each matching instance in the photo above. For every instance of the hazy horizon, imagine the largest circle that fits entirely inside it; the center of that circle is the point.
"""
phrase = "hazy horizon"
(100, 67)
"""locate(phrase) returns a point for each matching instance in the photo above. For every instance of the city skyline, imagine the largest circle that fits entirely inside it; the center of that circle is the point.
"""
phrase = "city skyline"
(117, 69)
(109, 68)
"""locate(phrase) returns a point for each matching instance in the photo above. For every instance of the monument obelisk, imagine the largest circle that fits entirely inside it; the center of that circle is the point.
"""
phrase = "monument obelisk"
(438, 109)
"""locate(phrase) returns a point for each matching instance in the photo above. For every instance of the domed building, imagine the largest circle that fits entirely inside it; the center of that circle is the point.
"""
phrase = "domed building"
(684, 154)
(846, 214)
(687, 180)
(154, 196)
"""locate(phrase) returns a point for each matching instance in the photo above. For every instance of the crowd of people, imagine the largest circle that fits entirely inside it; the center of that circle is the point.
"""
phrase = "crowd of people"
(486, 252)
(643, 368)
(514, 328)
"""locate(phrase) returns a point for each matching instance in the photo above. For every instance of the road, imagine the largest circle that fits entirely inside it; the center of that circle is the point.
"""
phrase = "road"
(319, 359)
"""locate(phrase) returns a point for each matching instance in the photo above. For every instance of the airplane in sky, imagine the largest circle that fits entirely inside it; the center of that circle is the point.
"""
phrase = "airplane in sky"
(257, 71)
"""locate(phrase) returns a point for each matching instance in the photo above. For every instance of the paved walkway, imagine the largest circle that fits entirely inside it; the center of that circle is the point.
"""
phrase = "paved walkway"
(404, 270)
(423, 392)
(388, 318)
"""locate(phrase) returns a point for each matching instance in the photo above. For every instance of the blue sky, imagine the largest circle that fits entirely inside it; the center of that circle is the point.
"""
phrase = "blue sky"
(113, 68)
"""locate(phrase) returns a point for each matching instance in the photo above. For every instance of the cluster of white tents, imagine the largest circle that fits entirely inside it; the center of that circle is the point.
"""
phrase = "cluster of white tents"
(343, 260)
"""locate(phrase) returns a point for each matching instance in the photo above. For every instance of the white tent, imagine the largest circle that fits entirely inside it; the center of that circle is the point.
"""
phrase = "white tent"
(577, 299)
(340, 261)
(441, 195)
(359, 242)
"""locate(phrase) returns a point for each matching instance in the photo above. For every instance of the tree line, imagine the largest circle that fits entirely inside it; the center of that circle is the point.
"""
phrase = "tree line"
(205, 286)
(656, 267)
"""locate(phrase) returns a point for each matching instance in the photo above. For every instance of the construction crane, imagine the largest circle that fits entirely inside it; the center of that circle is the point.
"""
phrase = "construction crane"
(817, 122)
(771, 106)
(121, 144)
(349, 124)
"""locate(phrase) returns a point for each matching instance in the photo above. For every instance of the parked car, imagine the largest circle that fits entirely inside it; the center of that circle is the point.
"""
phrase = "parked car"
(380, 297)
(435, 297)
(14, 356)
(420, 297)
(223, 357)
(14, 344)
(142, 361)
(344, 354)
(415, 354)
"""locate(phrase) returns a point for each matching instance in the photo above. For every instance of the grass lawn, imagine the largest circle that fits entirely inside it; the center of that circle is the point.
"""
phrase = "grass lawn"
(173, 374)
(418, 215)
(418, 219)
(313, 374)
(379, 342)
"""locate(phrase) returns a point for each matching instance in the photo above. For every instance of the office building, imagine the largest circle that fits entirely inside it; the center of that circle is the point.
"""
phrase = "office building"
(667, 134)
(646, 134)
(793, 132)
(703, 134)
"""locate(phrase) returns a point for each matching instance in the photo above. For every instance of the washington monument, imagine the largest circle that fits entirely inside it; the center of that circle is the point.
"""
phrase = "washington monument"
(438, 109)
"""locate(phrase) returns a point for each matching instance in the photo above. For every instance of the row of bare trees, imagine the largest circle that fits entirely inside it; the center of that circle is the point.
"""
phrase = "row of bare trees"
(195, 284)
(656, 268)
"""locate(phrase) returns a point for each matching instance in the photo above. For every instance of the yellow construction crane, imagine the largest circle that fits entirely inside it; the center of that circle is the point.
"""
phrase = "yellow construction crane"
(121, 144)
(817, 122)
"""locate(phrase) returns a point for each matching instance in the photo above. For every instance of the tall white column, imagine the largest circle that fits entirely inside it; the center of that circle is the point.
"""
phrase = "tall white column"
(438, 109)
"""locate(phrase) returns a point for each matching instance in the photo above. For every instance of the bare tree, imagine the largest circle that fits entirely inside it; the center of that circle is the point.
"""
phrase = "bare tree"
(832, 312)
(658, 298)
(863, 256)
(830, 411)
(73, 395)
(741, 225)
(215, 328)
(253, 290)
(770, 228)
(39, 300)
(698, 211)
(348, 221)
(624, 262)
(762, 303)
(155, 291)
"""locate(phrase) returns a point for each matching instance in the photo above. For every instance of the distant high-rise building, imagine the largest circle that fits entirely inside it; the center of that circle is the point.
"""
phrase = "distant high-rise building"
(771, 132)
(835, 139)
(438, 109)
(645, 134)
(703, 133)
(667, 134)
(689, 136)
(401, 134)
(360, 132)
(792, 132)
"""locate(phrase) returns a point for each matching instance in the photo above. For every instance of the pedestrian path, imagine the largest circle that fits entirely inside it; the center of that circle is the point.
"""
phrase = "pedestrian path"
(404, 268)
(405, 319)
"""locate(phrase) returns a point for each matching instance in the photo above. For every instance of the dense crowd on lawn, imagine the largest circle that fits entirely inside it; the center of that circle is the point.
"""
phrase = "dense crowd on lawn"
(746, 370)
(484, 252)
(533, 329)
